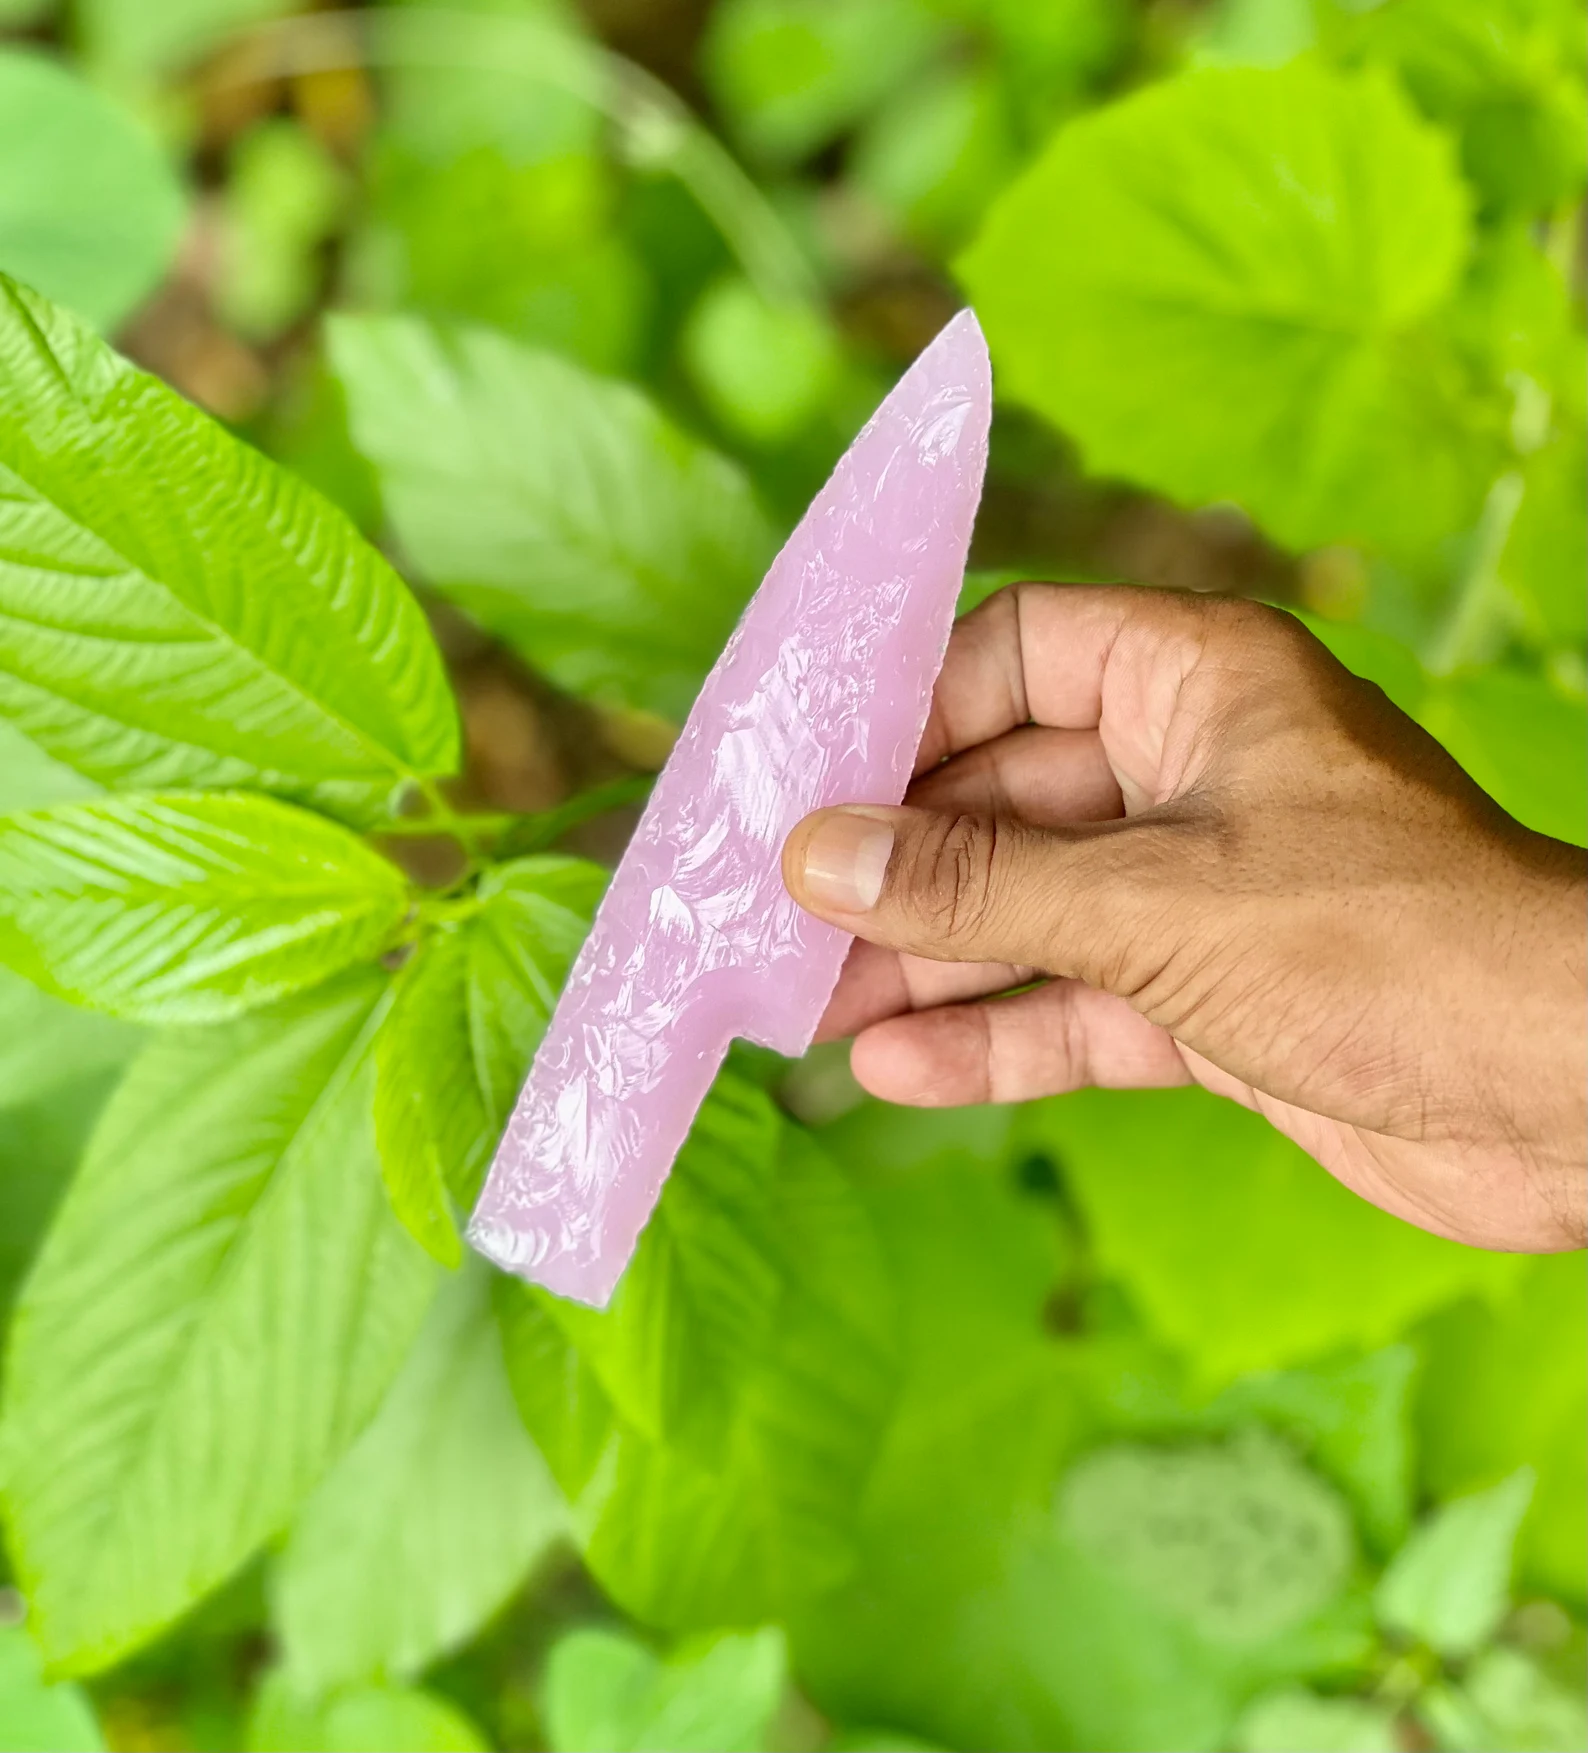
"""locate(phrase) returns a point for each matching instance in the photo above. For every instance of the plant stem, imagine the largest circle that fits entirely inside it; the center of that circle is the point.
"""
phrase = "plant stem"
(657, 128)
(1478, 617)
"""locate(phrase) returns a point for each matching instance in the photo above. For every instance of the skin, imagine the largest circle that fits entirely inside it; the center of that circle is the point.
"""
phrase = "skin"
(1226, 860)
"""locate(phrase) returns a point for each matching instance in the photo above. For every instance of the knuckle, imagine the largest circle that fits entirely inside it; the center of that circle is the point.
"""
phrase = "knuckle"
(954, 866)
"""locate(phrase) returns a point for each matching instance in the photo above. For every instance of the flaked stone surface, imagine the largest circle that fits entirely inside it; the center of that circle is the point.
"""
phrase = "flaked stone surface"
(820, 697)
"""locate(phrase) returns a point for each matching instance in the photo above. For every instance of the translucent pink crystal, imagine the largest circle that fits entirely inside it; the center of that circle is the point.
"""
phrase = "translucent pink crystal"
(820, 697)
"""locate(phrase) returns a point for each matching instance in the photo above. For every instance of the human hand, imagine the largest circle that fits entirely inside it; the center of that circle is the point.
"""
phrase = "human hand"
(1228, 860)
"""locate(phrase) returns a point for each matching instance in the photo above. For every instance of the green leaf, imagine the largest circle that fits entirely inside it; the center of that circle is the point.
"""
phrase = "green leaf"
(1170, 1181)
(1349, 1418)
(188, 908)
(57, 1065)
(178, 611)
(1254, 33)
(1546, 558)
(44, 1043)
(363, 1719)
(134, 43)
(468, 1012)
(35, 1717)
(430, 1521)
(714, 1429)
(607, 1693)
(1507, 73)
(793, 74)
(1524, 1710)
(1294, 1720)
(527, 248)
(1239, 1539)
(218, 1308)
(562, 511)
(1506, 1385)
(284, 197)
(1525, 743)
(936, 154)
(1449, 1585)
(1523, 740)
(91, 210)
(1377, 658)
(764, 369)
(949, 1625)
(1220, 287)
(30, 779)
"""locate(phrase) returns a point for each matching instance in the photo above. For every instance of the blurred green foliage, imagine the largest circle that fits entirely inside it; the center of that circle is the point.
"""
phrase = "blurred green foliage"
(1105, 1422)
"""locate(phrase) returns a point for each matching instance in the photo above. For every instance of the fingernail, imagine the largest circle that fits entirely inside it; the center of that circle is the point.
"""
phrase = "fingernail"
(846, 859)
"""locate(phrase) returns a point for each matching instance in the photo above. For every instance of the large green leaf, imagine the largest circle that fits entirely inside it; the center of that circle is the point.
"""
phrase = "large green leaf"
(219, 1306)
(175, 610)
(467, 1014)
(607, 1693)
(1506, 1386)
(428, 1523)
(363, 1719)
(188, 907)
(1450, 1584)
(1221, 286)
(1240, 1250)
(90, 208)
(714, 1429)
(561, 510)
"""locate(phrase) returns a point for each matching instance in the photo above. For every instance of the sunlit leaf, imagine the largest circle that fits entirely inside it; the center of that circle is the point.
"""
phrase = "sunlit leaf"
(362, 1719)
(221, 1301)
(179, 611)
(1449, 1585)
(90, 208)
(607, 1693)
(715, 1428)
(763, 369)
(563, 511)
(467, 1014)
(1219, 288)
(36, 1717)
(428, 1523)
(1521, 1706)
(1506, 1385)
(1293, 1720)
(1238, 1539)
(284, 196)
(1524, 742)
(188, 907)
(1171, 1181)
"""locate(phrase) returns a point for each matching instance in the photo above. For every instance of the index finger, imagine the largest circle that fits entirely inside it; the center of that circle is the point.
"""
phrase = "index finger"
(1048, 654)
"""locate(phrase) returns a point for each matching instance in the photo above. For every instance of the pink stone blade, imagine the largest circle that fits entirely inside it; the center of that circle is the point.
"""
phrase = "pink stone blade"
(820, 697)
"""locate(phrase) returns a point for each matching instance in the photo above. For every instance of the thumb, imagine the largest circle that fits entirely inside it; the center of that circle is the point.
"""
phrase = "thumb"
(1087, 901)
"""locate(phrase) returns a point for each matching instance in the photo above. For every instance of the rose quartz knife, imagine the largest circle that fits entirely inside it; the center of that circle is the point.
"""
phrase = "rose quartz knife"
(820, 697)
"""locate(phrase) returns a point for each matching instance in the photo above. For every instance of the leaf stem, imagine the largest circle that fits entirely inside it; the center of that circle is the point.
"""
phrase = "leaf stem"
(657, 130)
(1478, 617)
